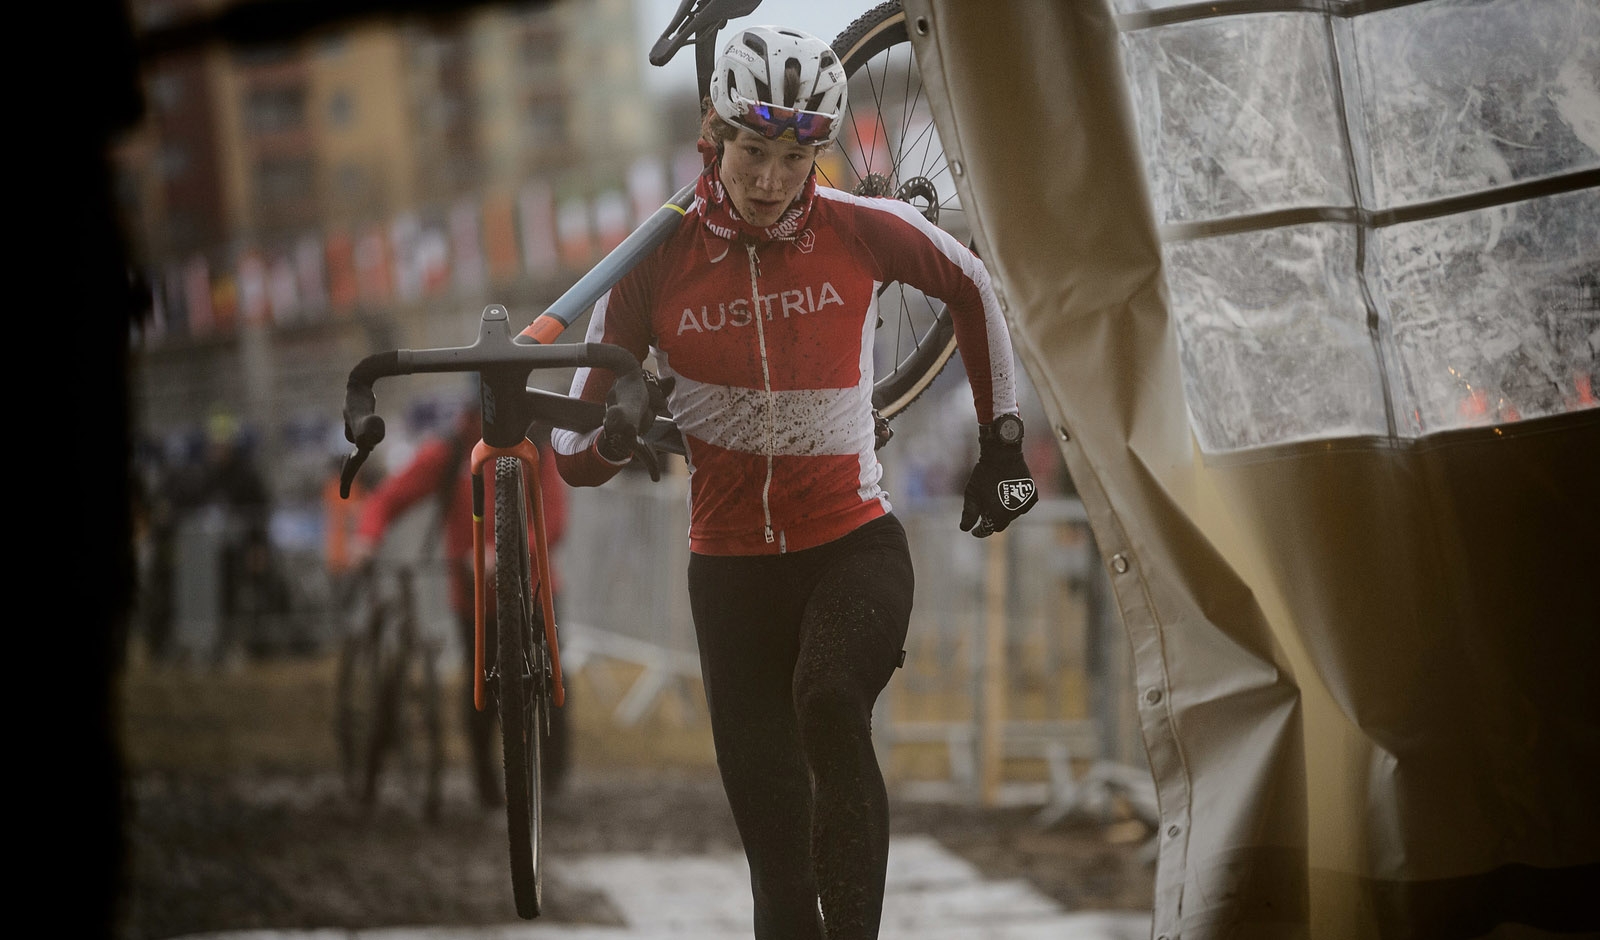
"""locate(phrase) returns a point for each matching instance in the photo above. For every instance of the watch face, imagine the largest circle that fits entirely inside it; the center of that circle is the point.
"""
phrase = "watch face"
(1008, 429)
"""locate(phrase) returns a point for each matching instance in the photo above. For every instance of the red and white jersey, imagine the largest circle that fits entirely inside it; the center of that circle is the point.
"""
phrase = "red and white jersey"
(770, 348)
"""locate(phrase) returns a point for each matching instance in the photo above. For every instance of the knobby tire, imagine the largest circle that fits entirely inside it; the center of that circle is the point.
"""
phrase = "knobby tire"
(519, 685)
(906, 163)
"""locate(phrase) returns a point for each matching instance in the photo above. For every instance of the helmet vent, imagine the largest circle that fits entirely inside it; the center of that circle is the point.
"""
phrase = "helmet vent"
(791, 83)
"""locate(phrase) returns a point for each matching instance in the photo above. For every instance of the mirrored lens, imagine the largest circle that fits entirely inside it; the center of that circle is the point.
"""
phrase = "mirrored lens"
(774, 122)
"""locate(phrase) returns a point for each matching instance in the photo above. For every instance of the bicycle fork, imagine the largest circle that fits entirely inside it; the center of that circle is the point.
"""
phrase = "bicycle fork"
(528, 453)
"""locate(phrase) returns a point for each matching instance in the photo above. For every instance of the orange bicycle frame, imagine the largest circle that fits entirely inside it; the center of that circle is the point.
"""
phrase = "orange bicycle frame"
(528, 453)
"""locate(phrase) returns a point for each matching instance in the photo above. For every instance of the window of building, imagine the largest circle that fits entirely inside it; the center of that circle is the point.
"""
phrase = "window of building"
(541, 46)
(275, 108)
(545, 120)
(341, 108)
(284, 179)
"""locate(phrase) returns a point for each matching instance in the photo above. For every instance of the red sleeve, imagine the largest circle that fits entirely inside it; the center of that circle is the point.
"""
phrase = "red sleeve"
(403, 489)
(908, 248)
(622, 318)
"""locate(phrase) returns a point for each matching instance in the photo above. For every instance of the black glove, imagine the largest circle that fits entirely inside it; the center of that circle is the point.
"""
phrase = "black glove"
(1000, 489)
(619, 440)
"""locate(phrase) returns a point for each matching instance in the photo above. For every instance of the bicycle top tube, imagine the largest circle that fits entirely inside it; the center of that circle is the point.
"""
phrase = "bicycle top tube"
(503, 363)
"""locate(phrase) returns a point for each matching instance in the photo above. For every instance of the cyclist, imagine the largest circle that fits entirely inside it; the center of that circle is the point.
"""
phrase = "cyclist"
(440, 469)
(760, 313)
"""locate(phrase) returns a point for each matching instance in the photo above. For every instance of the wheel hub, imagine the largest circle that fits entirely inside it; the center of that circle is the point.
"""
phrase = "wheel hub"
(922, 195)
(874, 184)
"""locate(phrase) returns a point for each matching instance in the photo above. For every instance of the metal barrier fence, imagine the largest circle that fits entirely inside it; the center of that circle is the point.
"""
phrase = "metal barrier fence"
(1016, 686)
(1017, 682)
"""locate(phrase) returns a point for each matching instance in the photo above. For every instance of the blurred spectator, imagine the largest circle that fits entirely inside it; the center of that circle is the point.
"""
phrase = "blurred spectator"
(339, 518)
(252, 586)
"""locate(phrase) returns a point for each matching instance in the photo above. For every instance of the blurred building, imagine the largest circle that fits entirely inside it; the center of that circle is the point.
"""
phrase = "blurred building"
(297, 204)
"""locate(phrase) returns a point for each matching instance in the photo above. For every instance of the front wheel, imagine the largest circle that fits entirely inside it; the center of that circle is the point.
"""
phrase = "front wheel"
(519, 684)
(889, 147)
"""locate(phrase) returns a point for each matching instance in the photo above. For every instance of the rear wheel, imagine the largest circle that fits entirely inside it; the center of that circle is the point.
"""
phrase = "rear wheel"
(356, 713)
(889, 147)
(519, 684)
(387, 703)
(364, 701)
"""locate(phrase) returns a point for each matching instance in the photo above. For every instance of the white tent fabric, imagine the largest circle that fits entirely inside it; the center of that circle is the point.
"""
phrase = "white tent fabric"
(1311, 295)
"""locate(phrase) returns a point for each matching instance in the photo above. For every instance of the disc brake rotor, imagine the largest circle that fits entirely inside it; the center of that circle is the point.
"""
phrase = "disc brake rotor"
(920, 193)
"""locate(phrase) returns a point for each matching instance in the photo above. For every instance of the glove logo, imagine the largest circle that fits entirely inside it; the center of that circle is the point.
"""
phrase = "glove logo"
(1015, 494)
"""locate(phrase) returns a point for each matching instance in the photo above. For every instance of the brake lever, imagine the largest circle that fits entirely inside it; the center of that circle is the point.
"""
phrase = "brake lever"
(349, 469)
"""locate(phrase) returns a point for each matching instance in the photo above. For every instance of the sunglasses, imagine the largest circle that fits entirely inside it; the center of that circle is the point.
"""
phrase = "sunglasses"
(778, 123)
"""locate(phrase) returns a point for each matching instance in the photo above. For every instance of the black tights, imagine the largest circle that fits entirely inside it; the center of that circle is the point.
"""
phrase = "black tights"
(794, 650)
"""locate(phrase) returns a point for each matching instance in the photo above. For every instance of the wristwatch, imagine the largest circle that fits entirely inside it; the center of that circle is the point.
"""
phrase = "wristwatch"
(1004, 429)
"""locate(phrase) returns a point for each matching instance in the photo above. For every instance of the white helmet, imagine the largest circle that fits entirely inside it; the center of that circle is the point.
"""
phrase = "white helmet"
(780, 82)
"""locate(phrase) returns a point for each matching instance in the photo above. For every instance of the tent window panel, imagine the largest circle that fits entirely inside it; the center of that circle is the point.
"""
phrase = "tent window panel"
(1495, 314)
(1237, 116)
(1459, 97)
(1273, 336)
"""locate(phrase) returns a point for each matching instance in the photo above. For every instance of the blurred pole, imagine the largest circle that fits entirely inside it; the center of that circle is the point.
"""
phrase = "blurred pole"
(991, 729)
(257, 382)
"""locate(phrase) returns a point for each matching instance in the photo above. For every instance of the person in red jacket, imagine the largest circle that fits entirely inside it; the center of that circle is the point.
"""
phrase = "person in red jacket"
(760, 312)
(440, 470)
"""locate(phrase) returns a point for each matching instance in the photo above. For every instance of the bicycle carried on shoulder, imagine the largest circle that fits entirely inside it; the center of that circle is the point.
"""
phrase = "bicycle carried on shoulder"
(893, 152)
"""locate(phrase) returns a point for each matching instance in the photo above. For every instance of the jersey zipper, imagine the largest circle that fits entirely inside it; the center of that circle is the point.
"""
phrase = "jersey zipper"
(766, 386)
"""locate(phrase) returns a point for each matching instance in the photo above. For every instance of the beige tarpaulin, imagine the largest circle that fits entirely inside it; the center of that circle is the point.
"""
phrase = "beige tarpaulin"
(1366, 664)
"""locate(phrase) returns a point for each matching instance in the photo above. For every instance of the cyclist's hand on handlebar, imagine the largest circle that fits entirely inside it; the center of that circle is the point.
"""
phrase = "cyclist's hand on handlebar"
(621, 446)
(621, 435)
(1000, 489)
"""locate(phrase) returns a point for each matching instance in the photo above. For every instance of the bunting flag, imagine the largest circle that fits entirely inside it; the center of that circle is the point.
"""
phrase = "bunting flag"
(311, 276)
(466, 246)
(610, 220)
(374, 266)
(573, 235)
(224, 303)
(197, 296)
(404, 233)
(686, 166)
(254, 302)
(283, 290)
(647, 187)
(343, 285)
(172, 316)
(478, 241)
(537, 207)
(500, 236)
(432, 257)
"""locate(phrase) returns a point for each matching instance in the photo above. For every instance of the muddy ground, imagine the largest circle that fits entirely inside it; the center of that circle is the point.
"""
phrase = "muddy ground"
(235, 817)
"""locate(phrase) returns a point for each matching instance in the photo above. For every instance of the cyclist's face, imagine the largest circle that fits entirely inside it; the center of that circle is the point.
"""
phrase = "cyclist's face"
(763, 176)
